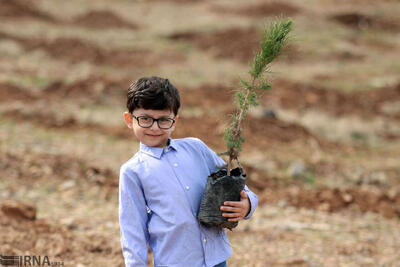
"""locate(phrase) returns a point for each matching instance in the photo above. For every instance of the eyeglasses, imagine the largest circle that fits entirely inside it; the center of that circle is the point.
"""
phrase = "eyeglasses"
(147, 122)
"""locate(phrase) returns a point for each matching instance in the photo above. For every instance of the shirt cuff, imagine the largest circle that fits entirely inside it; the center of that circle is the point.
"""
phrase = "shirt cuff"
(253, 202)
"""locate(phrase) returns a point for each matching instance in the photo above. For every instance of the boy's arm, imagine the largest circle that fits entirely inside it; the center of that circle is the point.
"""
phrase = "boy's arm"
(133, 220)
(213, 160)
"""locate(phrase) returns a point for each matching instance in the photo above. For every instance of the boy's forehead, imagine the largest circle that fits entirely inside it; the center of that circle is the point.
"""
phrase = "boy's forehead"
(153, 112)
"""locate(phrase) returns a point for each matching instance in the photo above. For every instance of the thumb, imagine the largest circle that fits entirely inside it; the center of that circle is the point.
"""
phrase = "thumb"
(243, 194)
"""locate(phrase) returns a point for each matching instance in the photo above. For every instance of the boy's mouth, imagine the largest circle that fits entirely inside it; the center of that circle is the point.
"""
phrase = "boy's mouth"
(153, 135)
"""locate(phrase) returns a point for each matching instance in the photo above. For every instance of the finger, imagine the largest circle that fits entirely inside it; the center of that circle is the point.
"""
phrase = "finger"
(243, 194)
(234, 219)
(233, 203)
(233, 209)
(231, 215)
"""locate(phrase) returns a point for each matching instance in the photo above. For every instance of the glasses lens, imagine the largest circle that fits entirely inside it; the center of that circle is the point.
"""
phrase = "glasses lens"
(145, 121)
(165, 123)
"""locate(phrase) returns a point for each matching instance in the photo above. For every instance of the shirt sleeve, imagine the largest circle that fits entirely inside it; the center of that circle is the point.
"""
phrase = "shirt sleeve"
(133, 220)
(253, 201)
(214, 160)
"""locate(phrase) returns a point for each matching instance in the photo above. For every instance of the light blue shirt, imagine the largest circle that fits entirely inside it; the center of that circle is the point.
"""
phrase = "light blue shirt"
(160, 190)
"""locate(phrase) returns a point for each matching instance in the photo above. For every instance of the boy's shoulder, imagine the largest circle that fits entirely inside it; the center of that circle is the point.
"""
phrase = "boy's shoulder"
(194, 143)
(189, 141)
(132, 163)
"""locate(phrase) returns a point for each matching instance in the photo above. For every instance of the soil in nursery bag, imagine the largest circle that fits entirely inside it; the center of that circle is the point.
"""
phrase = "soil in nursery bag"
(220, 188)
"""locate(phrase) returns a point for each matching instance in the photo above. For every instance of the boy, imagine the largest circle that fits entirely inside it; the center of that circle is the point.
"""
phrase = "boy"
(161, 187)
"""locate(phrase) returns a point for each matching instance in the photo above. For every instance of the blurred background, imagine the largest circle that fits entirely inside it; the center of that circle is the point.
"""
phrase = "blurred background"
(322, 149)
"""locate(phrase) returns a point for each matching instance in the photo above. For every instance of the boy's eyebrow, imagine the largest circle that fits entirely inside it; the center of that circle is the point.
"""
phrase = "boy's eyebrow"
(147, 115)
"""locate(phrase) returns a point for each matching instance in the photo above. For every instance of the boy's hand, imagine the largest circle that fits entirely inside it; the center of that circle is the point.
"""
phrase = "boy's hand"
(238, 209)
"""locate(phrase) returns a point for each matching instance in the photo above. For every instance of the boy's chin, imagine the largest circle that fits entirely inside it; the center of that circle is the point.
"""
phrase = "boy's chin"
(156, 143)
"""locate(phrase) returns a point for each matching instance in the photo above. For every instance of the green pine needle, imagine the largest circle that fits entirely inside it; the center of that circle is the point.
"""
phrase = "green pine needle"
(274, 39)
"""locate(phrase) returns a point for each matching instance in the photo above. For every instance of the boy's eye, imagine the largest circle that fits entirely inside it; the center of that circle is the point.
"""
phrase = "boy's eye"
(145, 119)
(164, 120)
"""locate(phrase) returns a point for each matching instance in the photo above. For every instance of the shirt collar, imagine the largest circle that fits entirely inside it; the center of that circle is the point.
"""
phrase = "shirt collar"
(158, 151)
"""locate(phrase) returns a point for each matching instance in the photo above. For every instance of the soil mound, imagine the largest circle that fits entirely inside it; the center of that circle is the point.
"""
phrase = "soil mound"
(46, 119)
(24, 234)
(361, 21)
(258, 180)
(103, 19)
(263, 10)
(50, 120)
(235, 43)
(261, 131)
(9, 92)
(364, 103)
(23, 9)
(39, 167)
(201, 127)
(70, 49)
(387, 204)
(209, 96)
(20, 210)
(179, 1)
(365, 199)
(95, 90)
(75, 51)
(42, 237)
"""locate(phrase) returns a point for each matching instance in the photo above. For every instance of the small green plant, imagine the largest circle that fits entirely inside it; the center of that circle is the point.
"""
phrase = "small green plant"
(274, 39)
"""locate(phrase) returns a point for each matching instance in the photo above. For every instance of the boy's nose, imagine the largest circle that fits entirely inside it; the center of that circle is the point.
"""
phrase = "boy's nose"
(155, 126)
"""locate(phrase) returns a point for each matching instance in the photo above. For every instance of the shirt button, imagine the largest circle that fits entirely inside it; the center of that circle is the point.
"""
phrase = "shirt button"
(166, 150)
(176, 164)
(204, 240)
(187, 187)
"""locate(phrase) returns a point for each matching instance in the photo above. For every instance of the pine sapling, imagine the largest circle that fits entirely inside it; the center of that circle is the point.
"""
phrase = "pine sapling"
(226, 185)
(274, 39)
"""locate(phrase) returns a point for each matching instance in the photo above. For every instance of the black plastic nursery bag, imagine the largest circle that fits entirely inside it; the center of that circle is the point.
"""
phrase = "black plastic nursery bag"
(220, 188)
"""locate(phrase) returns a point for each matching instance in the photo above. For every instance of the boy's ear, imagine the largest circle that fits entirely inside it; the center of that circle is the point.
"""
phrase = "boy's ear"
(128, 119)
(176, 120)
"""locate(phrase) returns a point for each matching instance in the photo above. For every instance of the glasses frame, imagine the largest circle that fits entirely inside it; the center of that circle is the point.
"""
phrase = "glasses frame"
(154, 120)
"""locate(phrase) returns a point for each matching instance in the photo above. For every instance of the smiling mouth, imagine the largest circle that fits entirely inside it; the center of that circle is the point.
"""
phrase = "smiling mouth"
(152, 135)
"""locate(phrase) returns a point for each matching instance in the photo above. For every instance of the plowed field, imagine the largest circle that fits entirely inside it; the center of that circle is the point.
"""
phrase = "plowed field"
(322, 149)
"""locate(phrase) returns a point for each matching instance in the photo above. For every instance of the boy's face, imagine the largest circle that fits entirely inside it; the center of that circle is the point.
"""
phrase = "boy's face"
(152, 136)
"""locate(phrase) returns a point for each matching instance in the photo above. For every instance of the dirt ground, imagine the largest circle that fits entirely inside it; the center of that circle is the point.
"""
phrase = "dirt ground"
(322, 149)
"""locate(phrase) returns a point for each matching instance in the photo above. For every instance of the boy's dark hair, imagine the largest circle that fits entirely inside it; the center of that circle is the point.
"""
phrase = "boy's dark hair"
(153, 93)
